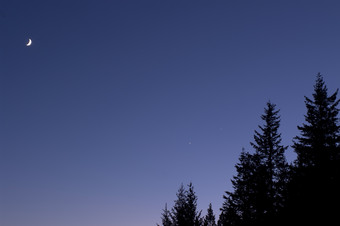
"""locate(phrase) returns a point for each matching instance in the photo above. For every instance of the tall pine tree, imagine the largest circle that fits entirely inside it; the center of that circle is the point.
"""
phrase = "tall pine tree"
(229, 214)
(179, 215)
(209, 219)
(193, 217)
(261, 178)
(166, 217)
(184, 211)
(314, 189)
(272, 170)
(320, 136)
(238, 206)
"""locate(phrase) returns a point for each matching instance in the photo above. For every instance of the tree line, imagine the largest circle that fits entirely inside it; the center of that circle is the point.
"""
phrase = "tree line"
(267, 190)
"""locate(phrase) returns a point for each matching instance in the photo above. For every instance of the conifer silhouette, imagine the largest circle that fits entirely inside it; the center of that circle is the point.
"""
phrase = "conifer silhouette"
(261, 178)
(314, 187)
(209, 219)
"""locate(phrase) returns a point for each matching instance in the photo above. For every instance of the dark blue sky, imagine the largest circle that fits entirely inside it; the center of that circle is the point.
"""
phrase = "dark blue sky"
(116, 103)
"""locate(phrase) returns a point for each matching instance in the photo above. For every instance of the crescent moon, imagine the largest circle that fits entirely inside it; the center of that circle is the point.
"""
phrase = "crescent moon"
(29, 42)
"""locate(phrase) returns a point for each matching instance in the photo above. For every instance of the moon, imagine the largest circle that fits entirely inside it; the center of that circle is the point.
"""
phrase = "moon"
(29, 42)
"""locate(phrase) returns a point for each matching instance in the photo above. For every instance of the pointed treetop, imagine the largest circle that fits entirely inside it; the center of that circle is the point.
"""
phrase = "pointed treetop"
(321, 130)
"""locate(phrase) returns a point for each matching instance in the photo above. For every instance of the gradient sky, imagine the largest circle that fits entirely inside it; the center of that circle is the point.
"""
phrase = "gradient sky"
(117, 103)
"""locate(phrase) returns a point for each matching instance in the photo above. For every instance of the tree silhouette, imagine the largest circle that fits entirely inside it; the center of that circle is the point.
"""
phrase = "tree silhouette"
(316, 146)
(272, 169)
(238, 205)
(259, 187)
(193, 217)
(166, 217)
(179, 210)
(229, 215)
(209, 219)
(184, 211)
(268, 191)
(314, 188)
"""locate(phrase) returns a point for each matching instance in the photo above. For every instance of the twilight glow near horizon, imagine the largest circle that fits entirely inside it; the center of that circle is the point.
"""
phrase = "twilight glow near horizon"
(116, 103)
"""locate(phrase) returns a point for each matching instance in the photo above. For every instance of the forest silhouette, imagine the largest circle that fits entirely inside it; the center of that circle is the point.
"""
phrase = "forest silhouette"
(267, 190)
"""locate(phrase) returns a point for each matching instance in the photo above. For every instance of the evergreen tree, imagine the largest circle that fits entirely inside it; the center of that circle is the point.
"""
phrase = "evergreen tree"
(272, 170)
(314, 188)
(184, 212)
(238, 205)
(209, 219)
(229, 215)
(179, 209)
(261, 177)
(192, 216)
(166, 217)
(316, 147)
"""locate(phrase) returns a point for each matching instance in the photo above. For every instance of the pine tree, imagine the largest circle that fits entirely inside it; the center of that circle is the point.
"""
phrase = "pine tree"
(192, 216)
(314, 188)
(261, 178)
(179, 209)
(184, 212)
(209, 219)
(316, 146)
(238, 205)
(166, 217)
(272, 170)
(229, 215)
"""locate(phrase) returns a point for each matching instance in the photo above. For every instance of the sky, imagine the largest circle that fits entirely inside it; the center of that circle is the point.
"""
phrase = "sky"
(116, 103)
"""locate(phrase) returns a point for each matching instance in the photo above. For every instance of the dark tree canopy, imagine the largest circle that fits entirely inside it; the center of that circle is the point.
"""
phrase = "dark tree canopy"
(261, 177)
(193, 217)
(179, 214)
(269, 191)
(166, 217)
(273, 167)
(209, 219)
(242, 199)
(184, 211)
(314, 188)
(320, 135)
